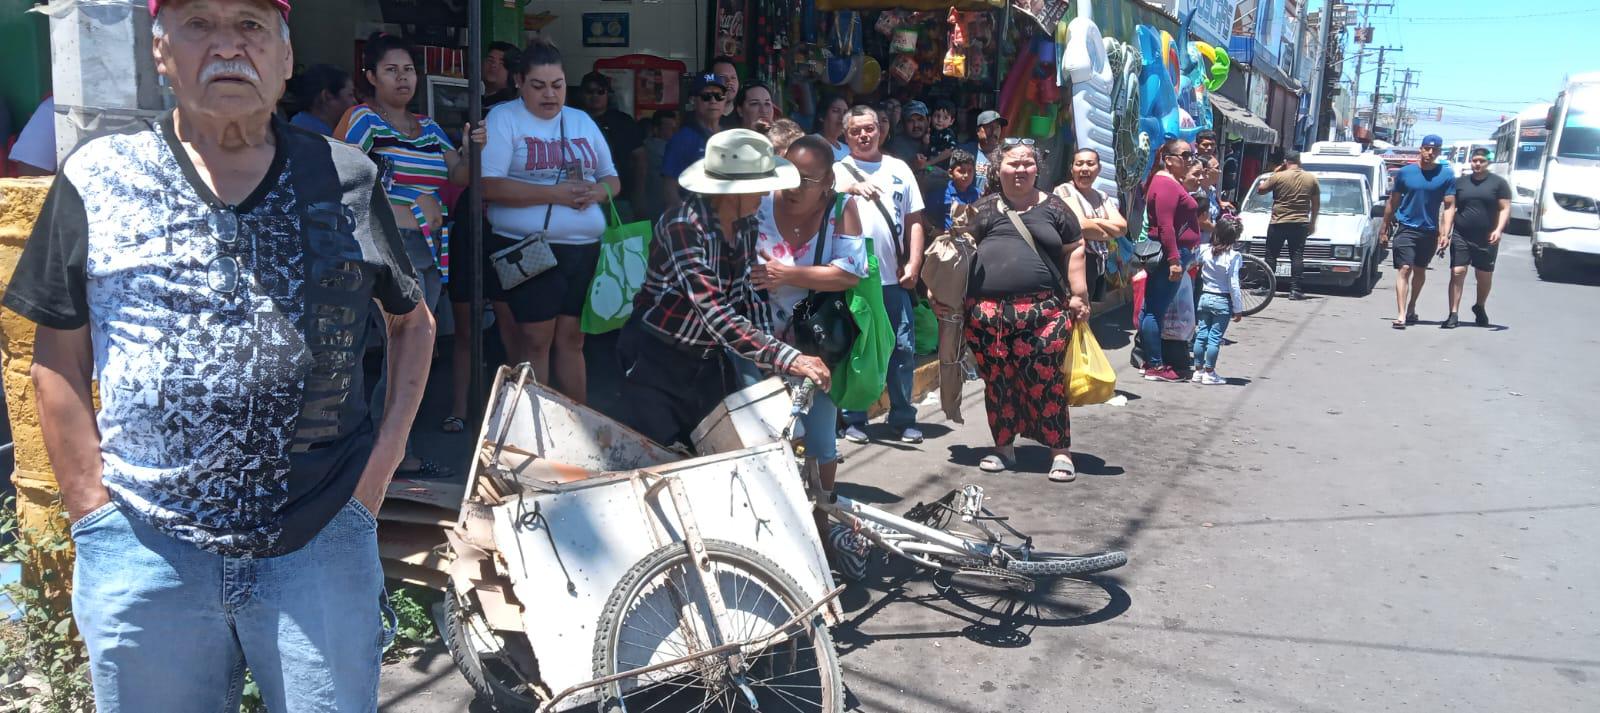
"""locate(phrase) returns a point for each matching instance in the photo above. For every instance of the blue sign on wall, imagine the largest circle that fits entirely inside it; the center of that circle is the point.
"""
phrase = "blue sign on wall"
(605, 29)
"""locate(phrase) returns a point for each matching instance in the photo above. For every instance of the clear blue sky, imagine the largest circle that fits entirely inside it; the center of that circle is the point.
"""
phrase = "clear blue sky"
(1480, 59)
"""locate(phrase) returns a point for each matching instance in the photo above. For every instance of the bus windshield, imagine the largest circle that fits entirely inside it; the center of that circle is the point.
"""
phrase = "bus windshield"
(1580, 135)
(1529, 153)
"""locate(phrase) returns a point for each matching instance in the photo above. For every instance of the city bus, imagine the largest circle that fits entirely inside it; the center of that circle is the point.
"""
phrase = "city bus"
(1519, 158)
(1566, 224)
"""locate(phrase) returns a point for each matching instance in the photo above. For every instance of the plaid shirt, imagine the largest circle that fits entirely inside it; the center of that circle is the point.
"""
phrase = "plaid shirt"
(698, 291)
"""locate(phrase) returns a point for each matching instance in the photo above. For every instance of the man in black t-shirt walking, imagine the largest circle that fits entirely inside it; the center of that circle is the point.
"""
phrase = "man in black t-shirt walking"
(1483, 205)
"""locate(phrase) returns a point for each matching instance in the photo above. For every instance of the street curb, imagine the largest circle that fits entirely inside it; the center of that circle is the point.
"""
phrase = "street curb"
(925, 379)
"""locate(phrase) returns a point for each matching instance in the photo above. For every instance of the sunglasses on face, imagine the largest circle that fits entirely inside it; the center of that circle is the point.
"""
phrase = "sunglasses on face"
(1188, 156)
(809, 182)
(1018, 142)
(712, 96)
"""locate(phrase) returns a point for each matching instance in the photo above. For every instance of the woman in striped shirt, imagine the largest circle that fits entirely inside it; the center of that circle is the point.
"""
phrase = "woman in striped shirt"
(416, 159)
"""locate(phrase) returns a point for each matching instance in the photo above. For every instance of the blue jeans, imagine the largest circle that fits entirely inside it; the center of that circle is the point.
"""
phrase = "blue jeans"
(821, 437)
(171, 628)
(1211, 322)
(1158, 294)
(902, 363)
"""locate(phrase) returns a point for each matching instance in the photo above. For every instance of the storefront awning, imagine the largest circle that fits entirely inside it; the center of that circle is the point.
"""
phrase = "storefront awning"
(1241, 122)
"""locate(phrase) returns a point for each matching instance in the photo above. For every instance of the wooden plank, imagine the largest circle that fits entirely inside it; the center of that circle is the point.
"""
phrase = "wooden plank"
(416, 514)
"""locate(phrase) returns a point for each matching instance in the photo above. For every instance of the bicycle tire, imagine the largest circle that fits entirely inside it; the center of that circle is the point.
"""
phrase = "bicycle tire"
(483, 678)
(1055, 564)
(734, 560)
(1036, 564)
(1257, 284)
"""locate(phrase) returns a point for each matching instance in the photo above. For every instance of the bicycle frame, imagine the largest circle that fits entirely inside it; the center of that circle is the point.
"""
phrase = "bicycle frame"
(911, 540)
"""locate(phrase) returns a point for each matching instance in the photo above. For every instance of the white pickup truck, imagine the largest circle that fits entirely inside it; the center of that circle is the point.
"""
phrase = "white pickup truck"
(1343, 252)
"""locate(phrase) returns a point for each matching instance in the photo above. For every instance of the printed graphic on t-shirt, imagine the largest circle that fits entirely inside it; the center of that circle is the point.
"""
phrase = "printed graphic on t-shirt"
(227, 342)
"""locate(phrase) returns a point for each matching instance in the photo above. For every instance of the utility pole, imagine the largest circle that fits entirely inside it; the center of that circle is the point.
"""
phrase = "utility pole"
(1400, 109)
(1364, 37)
(1377, 86)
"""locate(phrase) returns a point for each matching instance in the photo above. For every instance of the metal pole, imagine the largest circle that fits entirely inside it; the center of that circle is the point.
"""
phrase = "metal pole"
(475, 390)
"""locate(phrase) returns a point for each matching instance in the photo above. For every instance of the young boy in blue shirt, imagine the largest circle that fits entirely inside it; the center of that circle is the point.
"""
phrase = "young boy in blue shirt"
(964, 187)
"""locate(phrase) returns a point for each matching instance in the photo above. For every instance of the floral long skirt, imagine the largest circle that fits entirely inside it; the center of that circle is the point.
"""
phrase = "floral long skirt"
(1020, 344)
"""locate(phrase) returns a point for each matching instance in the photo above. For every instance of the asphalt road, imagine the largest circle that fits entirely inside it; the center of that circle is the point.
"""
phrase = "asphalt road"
(1364, 520)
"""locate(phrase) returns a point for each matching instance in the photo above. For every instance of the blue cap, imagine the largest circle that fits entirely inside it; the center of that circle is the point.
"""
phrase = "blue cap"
(916, 108)
(707, 80)
(1432, 140)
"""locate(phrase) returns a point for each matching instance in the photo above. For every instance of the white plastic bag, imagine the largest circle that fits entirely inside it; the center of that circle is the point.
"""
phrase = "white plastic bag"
(1178, 324)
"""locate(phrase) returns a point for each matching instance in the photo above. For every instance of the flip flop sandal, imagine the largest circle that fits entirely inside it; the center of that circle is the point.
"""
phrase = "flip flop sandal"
(1062, 471)
(1398, 324)
(996, 463)
(1412, 318)
(453, 424)
(429, 470)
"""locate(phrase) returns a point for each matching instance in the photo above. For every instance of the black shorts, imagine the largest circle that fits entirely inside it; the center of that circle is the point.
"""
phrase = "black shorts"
(1414, 247)
(460, 285)
(560, 291)
(1477, 253)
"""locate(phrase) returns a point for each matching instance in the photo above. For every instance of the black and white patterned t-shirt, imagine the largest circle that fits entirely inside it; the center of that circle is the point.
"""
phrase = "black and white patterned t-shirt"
(227, 339)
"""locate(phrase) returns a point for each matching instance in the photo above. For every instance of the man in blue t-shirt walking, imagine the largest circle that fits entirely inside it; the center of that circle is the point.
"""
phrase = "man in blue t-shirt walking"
(1423, 202)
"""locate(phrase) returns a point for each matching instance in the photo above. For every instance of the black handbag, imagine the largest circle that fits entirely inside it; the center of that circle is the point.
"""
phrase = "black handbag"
(822, 323)
(1149, 253)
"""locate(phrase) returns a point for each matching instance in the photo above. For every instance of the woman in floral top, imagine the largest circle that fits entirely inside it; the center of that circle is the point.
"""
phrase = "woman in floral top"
(790, 221)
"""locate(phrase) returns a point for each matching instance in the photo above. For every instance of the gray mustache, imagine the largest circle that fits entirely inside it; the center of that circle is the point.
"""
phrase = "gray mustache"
(237, 67)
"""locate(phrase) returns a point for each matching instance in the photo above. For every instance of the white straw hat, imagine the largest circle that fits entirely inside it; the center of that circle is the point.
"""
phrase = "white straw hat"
(739, 161)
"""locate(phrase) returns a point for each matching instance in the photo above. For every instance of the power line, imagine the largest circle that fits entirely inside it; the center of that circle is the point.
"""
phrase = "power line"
(1482, 101)
(1485, 18)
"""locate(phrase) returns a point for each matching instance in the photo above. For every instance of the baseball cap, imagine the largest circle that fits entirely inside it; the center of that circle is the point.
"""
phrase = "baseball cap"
(1432, 140)
(283, 7)
(702, 82)
(990, 117)
(916, 108)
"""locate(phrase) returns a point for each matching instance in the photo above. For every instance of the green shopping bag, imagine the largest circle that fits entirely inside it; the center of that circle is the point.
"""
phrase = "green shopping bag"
(924, 328)
(858, 380)
(619, 273)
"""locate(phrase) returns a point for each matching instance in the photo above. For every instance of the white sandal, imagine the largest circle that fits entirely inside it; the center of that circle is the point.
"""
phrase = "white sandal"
(1061, 470)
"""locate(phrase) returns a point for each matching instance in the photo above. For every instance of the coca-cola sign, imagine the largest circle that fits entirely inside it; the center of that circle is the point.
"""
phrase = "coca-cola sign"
(730, 39)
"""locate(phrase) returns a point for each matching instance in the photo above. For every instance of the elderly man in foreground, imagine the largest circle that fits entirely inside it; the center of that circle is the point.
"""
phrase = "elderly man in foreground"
(213, 269)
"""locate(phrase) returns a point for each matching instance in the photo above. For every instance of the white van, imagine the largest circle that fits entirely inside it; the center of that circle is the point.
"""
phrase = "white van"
(1566, 226)
(1349, 157)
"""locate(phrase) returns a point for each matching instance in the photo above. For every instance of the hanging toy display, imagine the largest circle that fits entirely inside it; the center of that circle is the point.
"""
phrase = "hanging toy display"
(1216, 64)
(1085, 62)
(955, 57)
(1158, 94)
(844, 48)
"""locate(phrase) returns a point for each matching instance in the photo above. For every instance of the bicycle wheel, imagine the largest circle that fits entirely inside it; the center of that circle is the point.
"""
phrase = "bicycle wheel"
(1257, 284)
(645, 622)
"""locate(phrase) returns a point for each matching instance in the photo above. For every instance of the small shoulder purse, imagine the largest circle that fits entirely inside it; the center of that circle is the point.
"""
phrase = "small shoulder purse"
(531, 256)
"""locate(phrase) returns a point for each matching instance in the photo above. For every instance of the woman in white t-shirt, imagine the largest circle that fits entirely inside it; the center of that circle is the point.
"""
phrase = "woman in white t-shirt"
(547, 168)
(1098, 215)
(791, 221)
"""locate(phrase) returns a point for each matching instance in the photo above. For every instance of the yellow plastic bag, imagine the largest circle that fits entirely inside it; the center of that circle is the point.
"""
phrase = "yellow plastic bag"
(1090, 380)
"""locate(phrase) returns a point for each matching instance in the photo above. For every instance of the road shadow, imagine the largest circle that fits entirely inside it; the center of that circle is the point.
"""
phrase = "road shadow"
(882, 435)
(867, 494)
(968, 455)
(1112, 334)
(1090, 464)
(988, 616)
(1238, 381)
